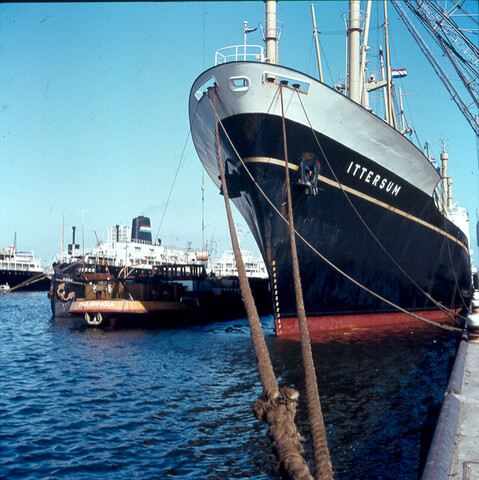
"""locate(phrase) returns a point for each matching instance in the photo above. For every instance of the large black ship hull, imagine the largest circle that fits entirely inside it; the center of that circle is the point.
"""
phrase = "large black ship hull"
(368, 239)
(409, 231)
(16, 277)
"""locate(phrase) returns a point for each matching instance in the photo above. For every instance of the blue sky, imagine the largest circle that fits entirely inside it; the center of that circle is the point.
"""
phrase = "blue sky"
(94, 112)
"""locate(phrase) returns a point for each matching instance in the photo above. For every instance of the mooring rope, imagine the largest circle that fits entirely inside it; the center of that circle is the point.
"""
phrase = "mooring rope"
(322, 460)
(331, 264)
(29, 281)
(37, 278)
(279, 406)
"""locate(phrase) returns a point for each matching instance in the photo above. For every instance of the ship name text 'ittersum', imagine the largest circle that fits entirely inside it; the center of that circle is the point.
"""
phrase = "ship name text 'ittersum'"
(374, 179)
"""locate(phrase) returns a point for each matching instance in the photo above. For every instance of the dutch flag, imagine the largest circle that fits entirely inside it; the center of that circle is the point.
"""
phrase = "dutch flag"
(145, 229)
(398, 72)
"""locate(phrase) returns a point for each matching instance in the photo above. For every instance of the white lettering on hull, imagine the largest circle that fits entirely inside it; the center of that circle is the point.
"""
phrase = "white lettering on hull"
(374, 179)
(104, 304)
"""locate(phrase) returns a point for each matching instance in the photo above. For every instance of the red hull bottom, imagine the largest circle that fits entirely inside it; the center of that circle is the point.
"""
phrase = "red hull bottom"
(288, 327)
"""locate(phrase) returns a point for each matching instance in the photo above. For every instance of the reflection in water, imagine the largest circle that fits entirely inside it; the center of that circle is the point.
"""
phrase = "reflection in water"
(375, 388)
(177, 403)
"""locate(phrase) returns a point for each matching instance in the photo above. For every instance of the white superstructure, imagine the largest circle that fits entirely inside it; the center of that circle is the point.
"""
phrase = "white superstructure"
(13, 260)
(226, 265)
(120, 251)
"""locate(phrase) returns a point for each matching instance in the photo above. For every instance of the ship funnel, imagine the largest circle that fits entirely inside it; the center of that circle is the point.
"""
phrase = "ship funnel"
(141, 230)
(73, 247)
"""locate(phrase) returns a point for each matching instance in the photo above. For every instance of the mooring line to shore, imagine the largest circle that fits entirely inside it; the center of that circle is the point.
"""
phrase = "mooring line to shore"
(37, 278)
(25, 283)
(278, 406)
(322, 459)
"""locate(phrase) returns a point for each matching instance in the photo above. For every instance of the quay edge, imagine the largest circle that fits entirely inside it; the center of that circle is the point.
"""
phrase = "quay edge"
(453, 452)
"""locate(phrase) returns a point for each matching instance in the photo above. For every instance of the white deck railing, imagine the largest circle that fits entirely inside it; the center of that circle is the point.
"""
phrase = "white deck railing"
(240, 53)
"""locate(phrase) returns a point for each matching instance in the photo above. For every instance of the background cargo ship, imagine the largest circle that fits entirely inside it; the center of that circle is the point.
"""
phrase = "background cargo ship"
(17, 268)
(373, 241)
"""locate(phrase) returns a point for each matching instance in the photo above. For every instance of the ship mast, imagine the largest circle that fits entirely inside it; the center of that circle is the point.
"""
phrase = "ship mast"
(391, 120)
(271, 38)
(444, 182)
(364, 48)
(315, 33)
(354, 32)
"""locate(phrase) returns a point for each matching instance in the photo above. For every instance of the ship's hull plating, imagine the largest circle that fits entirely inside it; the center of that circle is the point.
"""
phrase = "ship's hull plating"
(16, 277)
(364, 222)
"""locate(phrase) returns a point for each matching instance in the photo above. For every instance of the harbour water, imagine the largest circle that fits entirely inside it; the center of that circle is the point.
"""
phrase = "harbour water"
(177, 403)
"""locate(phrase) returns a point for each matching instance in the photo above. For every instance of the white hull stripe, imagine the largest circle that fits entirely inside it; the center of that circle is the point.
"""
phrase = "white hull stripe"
(357, 193)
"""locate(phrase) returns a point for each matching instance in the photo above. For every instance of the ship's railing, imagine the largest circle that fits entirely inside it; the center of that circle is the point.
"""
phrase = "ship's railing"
(240, 53)
(19, 261)
(142, 242)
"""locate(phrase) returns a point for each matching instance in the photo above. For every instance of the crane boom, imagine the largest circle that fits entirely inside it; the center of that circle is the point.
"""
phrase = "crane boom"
(461, 52)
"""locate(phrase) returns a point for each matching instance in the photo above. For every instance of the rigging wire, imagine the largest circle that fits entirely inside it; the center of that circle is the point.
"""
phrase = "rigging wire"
(175, 177)
(325, 58)
(310, 54)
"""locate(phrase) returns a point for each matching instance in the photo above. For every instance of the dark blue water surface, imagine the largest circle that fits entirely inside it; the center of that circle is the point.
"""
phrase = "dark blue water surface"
(177, 403)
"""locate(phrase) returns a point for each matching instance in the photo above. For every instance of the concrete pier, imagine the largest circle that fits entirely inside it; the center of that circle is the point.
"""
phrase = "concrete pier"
(454, 452)
(465, 462)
